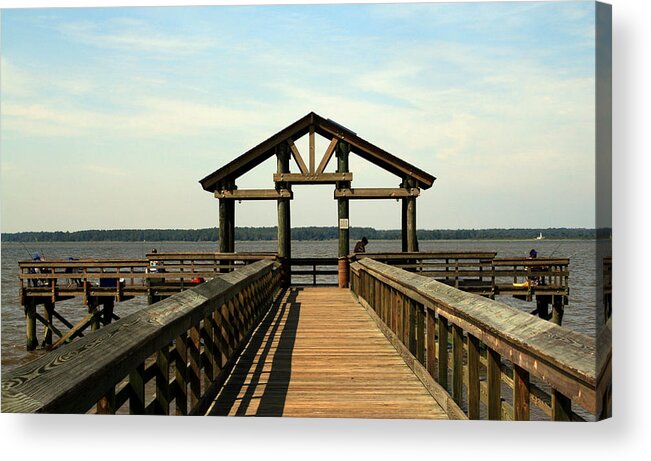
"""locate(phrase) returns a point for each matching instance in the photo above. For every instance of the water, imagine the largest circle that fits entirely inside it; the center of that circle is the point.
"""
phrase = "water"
(581, 314)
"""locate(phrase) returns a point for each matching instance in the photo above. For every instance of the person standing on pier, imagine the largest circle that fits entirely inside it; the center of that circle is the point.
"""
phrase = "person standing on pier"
(360, 247)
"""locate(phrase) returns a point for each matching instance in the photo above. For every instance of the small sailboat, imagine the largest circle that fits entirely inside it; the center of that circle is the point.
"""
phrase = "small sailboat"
(540, 237)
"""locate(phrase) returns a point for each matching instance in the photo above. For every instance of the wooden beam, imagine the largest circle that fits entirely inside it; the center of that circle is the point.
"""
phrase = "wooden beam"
(372, 153)
(254, 194)
(323, 178)
(312, 161)
(327, 156)
(376, 193)
(297, 156)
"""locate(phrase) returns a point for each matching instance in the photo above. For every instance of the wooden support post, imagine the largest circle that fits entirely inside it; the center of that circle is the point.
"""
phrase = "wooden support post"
(284, 220)
(558, 307)
(230, 206)
(420, 333)
(48, 309)
(473, 377)
(443, 352)
(194, 379)
(457, 363)
(162, 381)
(412, 326)
(343, 152)
(520, 394)
(137, 385)
(107, 312)
(223, 225)
(412, 242)
(92, 310)
(542, 307)
(181, 372)
(404, 224)
(30, 323)
(431, 342)
(561, 407)
(494, 379)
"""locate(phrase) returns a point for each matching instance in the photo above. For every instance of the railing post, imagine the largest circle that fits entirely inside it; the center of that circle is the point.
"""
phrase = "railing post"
(520, 393)
(457, 363)
(420, 333)
(195, 366)
(561, 407)
(431, 342)
(181, 374)
(443, 351)
(162, 381)
(412, 326)
(137, 387)
(473, 377)
(494, 380)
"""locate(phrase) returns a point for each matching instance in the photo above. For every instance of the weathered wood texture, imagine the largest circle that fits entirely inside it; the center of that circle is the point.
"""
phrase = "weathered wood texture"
(317, 353)
(312, 178)
(362, 193)
(75, 377)
(559, 358)
(254, 194)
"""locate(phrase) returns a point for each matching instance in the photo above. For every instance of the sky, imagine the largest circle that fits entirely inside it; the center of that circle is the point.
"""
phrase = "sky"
(110, 116)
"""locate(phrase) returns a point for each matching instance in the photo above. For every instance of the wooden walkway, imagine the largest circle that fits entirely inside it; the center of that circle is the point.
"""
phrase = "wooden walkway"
(319, 354)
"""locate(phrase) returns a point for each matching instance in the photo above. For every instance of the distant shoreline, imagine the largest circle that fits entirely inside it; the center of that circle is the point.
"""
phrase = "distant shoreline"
(303, 234)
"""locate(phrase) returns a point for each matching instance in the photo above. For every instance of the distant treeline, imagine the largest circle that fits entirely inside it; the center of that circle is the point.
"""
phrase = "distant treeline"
(299, 233)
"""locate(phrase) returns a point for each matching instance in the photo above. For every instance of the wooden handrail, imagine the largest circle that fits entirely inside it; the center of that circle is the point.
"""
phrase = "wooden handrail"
(560, 358)
(201, 330)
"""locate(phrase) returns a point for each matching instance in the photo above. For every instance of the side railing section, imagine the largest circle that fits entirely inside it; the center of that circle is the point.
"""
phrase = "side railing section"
(468, 349)
(122, 278)
(313, 270)
(539, 276)
(170, 357)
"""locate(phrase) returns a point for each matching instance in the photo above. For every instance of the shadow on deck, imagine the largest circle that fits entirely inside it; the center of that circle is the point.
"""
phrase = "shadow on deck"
(318, 353)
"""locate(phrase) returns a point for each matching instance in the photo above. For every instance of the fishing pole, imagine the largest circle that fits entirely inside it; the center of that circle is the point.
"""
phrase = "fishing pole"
(555, 249)
(27, 250)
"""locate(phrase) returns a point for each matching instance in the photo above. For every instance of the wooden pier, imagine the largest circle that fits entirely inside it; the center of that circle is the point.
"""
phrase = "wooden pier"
(401, 335)
(214, 349)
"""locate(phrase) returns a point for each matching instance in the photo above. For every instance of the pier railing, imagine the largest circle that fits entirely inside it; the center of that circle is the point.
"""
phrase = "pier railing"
(465, 348)
(124, 278)
(171, 356)
(313, 269)
(483, 273)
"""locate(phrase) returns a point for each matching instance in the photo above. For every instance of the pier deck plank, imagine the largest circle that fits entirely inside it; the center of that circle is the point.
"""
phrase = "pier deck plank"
(319, 354)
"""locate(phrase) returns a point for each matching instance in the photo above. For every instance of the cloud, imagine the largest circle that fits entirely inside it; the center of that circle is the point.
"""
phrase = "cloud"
(132, 35)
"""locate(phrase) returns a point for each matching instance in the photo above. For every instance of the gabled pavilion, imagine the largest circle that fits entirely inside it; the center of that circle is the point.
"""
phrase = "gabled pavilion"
(343, 141)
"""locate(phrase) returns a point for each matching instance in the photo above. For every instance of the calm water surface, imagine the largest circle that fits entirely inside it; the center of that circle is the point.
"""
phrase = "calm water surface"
(580, 315)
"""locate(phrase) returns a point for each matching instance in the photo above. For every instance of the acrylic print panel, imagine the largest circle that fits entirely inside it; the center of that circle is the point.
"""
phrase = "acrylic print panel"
(328, 211)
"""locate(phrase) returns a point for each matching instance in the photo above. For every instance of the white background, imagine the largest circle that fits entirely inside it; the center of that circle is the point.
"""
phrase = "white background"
(624, 436)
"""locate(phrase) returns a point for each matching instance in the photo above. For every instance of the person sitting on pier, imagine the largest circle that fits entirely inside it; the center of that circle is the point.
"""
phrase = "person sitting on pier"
(534, 280)
(360, 247)
(153, 264)
(69, 270)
